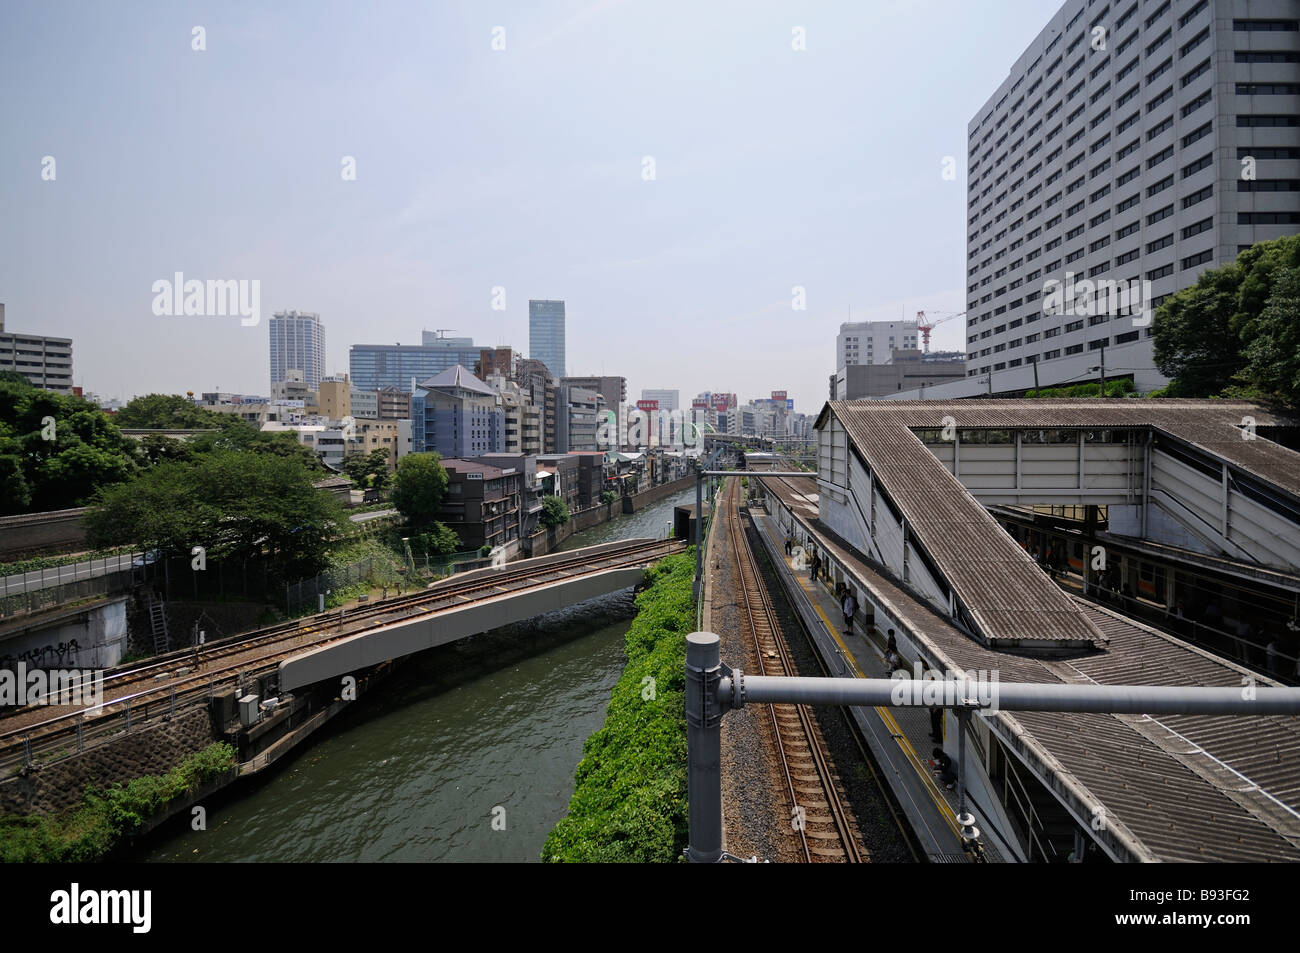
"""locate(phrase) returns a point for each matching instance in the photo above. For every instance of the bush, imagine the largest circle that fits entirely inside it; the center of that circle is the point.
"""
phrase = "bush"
(608, 496)
(629, 803)
(1119, 388)
(555, 511)
(105, 818)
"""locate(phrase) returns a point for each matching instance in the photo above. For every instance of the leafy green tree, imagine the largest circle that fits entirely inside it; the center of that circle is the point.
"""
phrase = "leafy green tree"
(166, 412)
(63, 446)
(15, 494)
(439, 540)
(419, 487)
(555, 511)
(608, 496)
(235, 433)
(1214, 337)
(234, 505)
(156, 448)
(368, 470)
(1273, 354)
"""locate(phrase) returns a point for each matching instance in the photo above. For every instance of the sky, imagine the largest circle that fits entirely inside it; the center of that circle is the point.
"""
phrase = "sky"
(673, 171)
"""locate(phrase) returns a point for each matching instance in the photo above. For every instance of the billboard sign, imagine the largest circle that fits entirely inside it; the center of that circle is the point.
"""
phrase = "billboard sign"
(778, 395)
(647, 406)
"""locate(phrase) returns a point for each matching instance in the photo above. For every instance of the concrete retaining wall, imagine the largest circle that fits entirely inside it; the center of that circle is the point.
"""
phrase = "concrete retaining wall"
(547, 540)
(153, 749)
(34, 533)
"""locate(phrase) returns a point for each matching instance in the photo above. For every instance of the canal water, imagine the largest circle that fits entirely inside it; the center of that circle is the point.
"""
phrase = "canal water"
(466, 754)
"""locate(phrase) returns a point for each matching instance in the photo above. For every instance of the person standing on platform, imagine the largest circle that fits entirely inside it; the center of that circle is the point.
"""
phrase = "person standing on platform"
(850, 606)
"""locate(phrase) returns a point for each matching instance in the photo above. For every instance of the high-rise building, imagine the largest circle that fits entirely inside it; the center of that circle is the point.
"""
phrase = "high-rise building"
(546, 335)
(668, 399)
(374, 366)
(1130, 145)
(871, 342)
(297, 341)
(45, 362)
(613, 389)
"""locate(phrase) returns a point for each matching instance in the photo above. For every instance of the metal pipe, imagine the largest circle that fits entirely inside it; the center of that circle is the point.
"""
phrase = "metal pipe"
(703, 748)
(1010, 696)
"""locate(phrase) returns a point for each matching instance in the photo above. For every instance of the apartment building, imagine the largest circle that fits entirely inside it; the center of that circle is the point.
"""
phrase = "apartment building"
(1134, 144)
(46, 362)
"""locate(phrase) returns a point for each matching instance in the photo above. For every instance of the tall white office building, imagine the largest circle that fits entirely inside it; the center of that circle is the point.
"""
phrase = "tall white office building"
(297, 343)
(1133, 141)
(872, 342)
(668, 399)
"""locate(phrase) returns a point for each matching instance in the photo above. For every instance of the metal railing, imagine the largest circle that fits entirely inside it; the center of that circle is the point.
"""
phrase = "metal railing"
(35, 600)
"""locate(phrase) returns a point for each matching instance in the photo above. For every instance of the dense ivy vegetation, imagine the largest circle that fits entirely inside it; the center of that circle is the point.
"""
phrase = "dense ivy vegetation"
(629, 804)
(107, 817)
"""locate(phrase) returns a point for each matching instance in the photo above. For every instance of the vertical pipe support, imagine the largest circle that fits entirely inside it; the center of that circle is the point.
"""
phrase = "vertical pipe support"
(704, 748)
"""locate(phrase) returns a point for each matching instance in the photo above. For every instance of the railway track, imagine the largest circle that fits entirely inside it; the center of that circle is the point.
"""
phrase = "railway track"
(179, 680)
(819, 812)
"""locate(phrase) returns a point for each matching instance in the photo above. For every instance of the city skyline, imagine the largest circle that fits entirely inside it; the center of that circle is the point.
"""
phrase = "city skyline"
(653, 219)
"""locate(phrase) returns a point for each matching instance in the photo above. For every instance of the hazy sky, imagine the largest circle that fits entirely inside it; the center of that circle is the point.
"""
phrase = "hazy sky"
(521, 168)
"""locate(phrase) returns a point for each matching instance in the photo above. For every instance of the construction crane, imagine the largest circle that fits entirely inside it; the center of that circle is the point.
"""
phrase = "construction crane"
(925, 327)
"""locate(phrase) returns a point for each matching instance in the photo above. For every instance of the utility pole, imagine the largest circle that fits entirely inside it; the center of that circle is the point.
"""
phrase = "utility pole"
(1036, 388)
(990, 383)
(1103, 369)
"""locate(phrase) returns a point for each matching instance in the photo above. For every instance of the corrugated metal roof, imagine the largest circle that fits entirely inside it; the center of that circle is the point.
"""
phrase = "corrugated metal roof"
(1008, 598)
(1173, 788)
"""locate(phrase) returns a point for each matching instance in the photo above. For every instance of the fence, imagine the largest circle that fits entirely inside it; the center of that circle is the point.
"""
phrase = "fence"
(304, 595)
(34, 600)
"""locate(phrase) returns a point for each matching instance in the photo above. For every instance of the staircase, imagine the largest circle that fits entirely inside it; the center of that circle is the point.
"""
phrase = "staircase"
(158, 623)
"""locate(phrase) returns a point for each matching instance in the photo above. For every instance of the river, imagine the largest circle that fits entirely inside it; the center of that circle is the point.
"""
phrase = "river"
(466, 754)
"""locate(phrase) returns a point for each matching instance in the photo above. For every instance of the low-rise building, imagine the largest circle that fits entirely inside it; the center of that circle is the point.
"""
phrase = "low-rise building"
(482, 502)
(906, 370)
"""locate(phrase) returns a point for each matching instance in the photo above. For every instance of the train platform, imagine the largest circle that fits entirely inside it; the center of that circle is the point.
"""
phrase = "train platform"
(899, 739)
(1231, 783)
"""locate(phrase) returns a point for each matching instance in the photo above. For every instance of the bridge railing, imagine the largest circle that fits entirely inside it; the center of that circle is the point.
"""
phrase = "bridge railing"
(36, 600)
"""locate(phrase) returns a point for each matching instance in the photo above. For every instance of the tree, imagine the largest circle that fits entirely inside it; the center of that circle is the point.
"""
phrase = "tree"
(60, 448)
(235, 505)
(1214, 336)
(166, 412)
(368, 470)
(419, 487)
(1273, 354)
(555, 511)
(234, 433)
